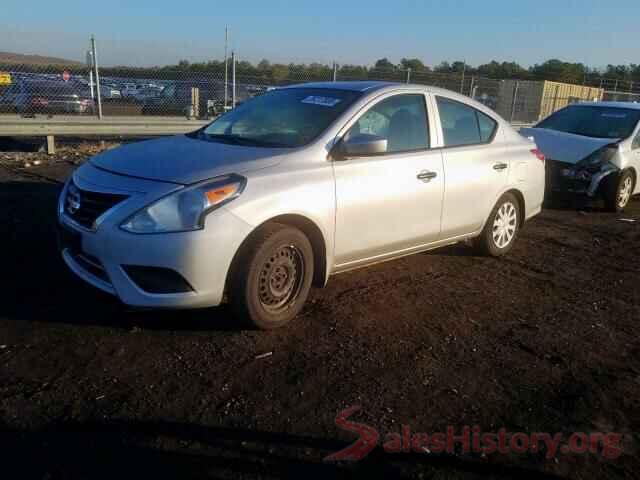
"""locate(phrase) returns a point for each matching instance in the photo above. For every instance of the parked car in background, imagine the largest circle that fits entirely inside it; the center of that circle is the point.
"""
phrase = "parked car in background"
(148, 92)
(176, 98)
(109, 92)
(592, 149)
(292, 186)
(46, 96)
(129, 89)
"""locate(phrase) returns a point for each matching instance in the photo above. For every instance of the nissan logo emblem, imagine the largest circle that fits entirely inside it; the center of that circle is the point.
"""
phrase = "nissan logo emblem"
(73, 200)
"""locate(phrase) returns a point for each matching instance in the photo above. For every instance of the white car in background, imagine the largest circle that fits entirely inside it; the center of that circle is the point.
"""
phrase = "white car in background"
(292, 186)
(592, 149)
(109, 92)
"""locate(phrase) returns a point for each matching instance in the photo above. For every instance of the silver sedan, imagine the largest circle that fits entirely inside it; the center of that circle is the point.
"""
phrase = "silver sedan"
(291, 187)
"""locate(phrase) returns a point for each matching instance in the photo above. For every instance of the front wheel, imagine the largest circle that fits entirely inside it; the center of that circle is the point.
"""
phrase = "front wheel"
(618, 190)
(500, 231)
(271, 276)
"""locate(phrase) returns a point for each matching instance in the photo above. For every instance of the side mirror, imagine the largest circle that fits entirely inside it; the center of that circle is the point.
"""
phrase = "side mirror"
(363, 145)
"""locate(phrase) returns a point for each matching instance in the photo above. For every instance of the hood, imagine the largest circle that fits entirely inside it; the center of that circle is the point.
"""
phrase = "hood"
(565, 147)
(182, 159)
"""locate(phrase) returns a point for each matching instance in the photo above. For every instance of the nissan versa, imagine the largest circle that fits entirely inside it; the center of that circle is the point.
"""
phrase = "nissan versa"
(291, 187)
(592, 149)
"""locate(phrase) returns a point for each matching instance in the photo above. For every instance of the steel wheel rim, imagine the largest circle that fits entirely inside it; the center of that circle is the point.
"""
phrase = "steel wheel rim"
(505, 224)
(280, 279)
(625, 192)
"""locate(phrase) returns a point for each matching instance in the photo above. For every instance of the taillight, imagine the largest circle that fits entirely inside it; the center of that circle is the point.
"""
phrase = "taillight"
(539, 155)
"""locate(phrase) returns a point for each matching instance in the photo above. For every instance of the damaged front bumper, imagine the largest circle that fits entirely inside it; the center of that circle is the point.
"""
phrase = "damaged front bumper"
(573, 178)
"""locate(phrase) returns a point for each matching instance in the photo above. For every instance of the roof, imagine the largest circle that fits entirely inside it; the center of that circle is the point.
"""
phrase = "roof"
(627, 105)
(370, 86)
(357, 86)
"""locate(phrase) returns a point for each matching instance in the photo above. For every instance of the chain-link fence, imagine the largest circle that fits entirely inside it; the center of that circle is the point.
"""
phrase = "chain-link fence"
(206, 90)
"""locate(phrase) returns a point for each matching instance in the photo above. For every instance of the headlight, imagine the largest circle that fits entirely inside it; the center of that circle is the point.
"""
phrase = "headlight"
(597, 159)
(185, 209)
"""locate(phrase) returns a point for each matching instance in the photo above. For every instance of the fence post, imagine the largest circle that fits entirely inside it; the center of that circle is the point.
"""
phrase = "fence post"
(335, 72)
(409, 75)
(94, 53)
(513, 103)
(472, 86)
(226, 69)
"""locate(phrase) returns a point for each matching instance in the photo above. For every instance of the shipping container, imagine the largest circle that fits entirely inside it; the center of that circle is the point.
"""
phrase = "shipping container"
(527, 101)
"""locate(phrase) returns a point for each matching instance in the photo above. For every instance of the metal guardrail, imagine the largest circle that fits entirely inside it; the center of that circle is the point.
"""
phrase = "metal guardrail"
(15, 126)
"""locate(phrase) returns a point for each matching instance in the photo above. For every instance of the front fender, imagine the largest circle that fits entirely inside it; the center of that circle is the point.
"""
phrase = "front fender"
(597, 179)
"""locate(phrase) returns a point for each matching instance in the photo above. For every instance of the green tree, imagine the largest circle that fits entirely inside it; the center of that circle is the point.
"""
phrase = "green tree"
(384, 64)
(414, 64)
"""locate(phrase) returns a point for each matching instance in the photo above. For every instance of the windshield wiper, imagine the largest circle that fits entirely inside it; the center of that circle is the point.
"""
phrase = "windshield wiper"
(240, 140)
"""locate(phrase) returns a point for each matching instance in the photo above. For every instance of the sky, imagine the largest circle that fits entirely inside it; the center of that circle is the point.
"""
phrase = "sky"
(160, 32)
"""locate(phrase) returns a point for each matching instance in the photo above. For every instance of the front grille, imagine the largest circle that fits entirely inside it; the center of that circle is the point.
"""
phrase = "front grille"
(85, 206)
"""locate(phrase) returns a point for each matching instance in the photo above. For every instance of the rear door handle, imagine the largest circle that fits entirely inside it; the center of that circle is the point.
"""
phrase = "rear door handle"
(426, 175)
(500, 166)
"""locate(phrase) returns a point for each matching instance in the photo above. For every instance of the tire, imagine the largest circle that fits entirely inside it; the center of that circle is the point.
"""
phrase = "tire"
(501, 230)
(618, 190)
(271, 276)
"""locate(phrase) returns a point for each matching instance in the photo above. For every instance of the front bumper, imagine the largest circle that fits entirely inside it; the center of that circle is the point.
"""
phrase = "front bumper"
(201, 257)
(568, 178)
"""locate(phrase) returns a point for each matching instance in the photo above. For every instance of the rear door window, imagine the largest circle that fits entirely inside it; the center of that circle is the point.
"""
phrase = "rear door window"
(487, 126)
(463, 124)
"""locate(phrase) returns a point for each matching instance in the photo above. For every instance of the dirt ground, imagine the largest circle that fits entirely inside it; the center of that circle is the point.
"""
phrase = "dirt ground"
(544, 340)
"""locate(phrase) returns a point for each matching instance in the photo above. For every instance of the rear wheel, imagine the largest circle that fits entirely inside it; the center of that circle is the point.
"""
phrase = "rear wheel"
(618, 190)
(271, 276)
(500, 231)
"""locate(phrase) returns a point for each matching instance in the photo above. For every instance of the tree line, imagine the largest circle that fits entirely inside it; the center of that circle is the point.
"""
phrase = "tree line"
(279, 73)
(554, 69)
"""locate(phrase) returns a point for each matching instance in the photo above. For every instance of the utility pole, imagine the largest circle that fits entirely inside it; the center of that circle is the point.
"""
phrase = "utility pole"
(90, 65)
(226, 69)
(464, 68)
(94, 53)
(233, 79)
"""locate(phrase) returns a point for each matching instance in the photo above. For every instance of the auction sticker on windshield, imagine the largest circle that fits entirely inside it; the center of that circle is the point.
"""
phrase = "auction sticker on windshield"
(323, 101)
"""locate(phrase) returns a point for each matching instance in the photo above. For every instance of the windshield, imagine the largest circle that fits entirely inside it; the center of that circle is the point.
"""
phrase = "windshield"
(282, 118)
(599, 122)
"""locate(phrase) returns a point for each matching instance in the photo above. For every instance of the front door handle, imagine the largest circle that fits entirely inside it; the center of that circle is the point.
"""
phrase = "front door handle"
(500, 166)
(426, 175)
